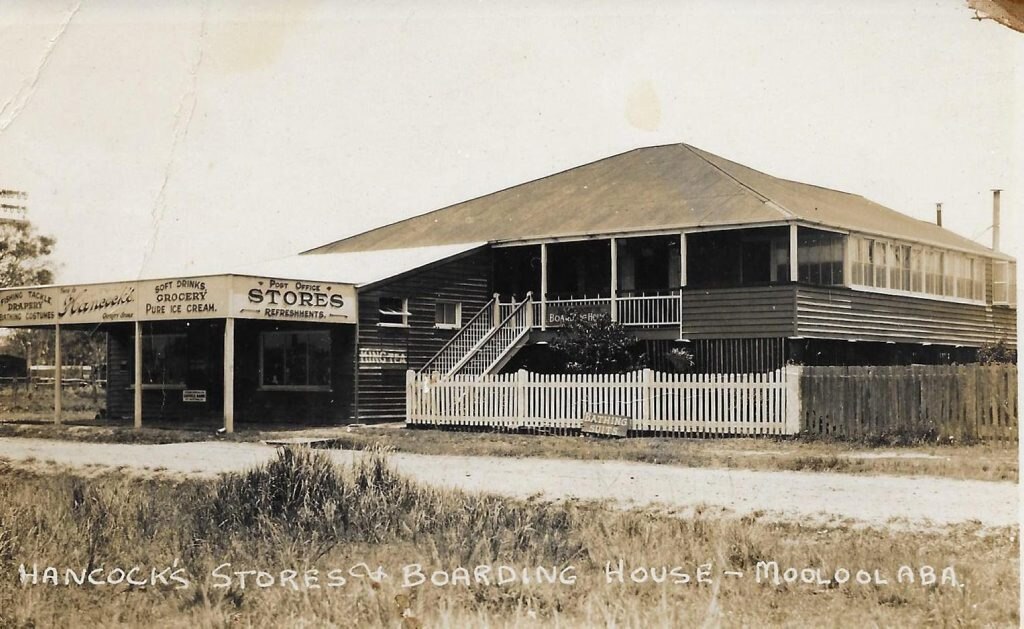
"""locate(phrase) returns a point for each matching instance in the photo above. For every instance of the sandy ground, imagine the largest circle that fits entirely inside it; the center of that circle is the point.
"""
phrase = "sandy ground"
(808, 496)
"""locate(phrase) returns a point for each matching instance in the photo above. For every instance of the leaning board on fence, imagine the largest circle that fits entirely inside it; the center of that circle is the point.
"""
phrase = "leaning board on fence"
(655, 403)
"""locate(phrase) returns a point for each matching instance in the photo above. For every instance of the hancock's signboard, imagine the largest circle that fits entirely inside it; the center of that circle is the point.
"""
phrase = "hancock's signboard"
(207, 297)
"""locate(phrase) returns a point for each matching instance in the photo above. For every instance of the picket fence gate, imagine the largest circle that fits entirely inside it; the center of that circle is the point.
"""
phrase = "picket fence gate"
(656, 403)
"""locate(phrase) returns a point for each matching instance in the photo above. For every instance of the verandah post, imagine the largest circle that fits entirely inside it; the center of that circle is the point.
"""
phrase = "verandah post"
(794, 241)
(615, 279)
(543, 286)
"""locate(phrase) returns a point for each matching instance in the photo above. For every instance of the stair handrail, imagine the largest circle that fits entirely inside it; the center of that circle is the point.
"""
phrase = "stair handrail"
(526, 303)
(487, 309)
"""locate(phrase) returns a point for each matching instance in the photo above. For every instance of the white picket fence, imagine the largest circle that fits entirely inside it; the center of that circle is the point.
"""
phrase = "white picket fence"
(656, 403)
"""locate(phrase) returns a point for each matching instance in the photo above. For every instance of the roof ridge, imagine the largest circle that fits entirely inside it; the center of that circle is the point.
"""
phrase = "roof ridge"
(768, 201)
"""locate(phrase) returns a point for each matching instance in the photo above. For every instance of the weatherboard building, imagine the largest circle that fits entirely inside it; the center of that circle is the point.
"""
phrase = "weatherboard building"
(681, 246)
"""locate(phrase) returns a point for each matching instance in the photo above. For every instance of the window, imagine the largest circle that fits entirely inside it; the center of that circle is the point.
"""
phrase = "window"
(1004, 283)
(917, 269)
(447, 314)
(899, 266)
(878, 262)
(394, 311)
(904, 268)
(164, 360)
(298, 360)
(820, 257)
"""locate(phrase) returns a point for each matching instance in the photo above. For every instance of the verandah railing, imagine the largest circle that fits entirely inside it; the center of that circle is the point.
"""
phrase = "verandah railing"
(631, 310)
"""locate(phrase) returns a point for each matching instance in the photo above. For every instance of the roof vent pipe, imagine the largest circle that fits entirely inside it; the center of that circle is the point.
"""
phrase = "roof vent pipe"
(938, 214)
(995, 219)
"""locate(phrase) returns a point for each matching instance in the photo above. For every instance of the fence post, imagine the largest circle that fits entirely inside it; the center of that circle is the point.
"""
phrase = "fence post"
(648, 397)
(794, 405)
(435, 376)
(410, 391)
(521, 377)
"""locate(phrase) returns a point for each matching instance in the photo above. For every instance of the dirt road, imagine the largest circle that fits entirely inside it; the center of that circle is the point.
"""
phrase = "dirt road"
(807, 496)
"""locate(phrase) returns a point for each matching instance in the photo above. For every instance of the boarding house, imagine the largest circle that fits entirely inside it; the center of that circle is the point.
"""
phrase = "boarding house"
(684, 248)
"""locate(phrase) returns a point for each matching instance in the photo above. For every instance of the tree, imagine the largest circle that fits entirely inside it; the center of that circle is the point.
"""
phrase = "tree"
(593, 343)
(24, 255)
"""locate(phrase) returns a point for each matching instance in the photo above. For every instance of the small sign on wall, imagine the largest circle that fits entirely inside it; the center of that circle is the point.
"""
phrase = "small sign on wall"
(383, 357)
(193, 395)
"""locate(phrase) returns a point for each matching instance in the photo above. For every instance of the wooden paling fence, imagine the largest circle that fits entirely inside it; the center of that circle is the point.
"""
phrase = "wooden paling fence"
(920, 401)
(656, 403)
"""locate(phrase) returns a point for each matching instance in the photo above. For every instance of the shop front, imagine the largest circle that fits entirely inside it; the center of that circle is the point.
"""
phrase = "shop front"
(211, 348)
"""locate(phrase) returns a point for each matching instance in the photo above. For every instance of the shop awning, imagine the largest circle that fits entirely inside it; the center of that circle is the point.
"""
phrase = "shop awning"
(199, 297)
(311, 287)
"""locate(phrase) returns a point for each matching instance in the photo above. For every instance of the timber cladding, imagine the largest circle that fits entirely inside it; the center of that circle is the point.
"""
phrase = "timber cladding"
(387, 351)
(748, 312)
(919, 402)
(843, 313)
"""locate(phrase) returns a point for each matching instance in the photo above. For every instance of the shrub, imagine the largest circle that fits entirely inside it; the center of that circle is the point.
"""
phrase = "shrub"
(593, 343)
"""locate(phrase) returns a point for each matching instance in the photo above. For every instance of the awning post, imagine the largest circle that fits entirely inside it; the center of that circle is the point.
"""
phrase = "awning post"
(58, 380)
(138, 375)
(229, 375)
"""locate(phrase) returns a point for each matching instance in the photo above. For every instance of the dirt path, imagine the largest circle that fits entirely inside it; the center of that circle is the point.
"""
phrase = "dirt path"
(817, 497)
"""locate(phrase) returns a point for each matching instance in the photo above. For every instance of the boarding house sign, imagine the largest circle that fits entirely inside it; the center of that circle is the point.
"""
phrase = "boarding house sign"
(557, 312)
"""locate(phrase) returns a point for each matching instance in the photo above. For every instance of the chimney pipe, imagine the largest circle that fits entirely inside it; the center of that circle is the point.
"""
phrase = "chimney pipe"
(938, 214)
(995, 219)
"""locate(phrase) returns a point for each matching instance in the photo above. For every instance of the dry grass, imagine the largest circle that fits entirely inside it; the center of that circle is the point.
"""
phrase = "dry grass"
(301, 512)
(76, 403)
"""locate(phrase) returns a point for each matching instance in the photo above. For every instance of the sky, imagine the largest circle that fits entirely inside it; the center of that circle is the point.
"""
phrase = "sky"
(167, 138)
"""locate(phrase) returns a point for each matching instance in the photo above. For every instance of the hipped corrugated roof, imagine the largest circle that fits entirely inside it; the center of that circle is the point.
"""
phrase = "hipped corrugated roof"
(675, 186)
(357, 267)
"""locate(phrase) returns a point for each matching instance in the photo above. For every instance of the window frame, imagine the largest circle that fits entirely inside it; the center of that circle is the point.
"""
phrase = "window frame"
(263, 386)
(1008, 282)
(404, 312)
(458, 314)
(929, 273)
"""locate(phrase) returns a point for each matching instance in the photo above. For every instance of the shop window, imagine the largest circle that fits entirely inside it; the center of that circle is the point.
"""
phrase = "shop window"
(448, 314)
(394, 311)
(295, 360)
(164, 360)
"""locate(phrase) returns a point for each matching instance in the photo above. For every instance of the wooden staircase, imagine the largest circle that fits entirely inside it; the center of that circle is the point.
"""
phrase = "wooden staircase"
(487, 342)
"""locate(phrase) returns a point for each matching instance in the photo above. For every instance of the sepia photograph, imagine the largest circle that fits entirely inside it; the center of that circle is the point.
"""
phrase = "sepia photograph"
(510, 314)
